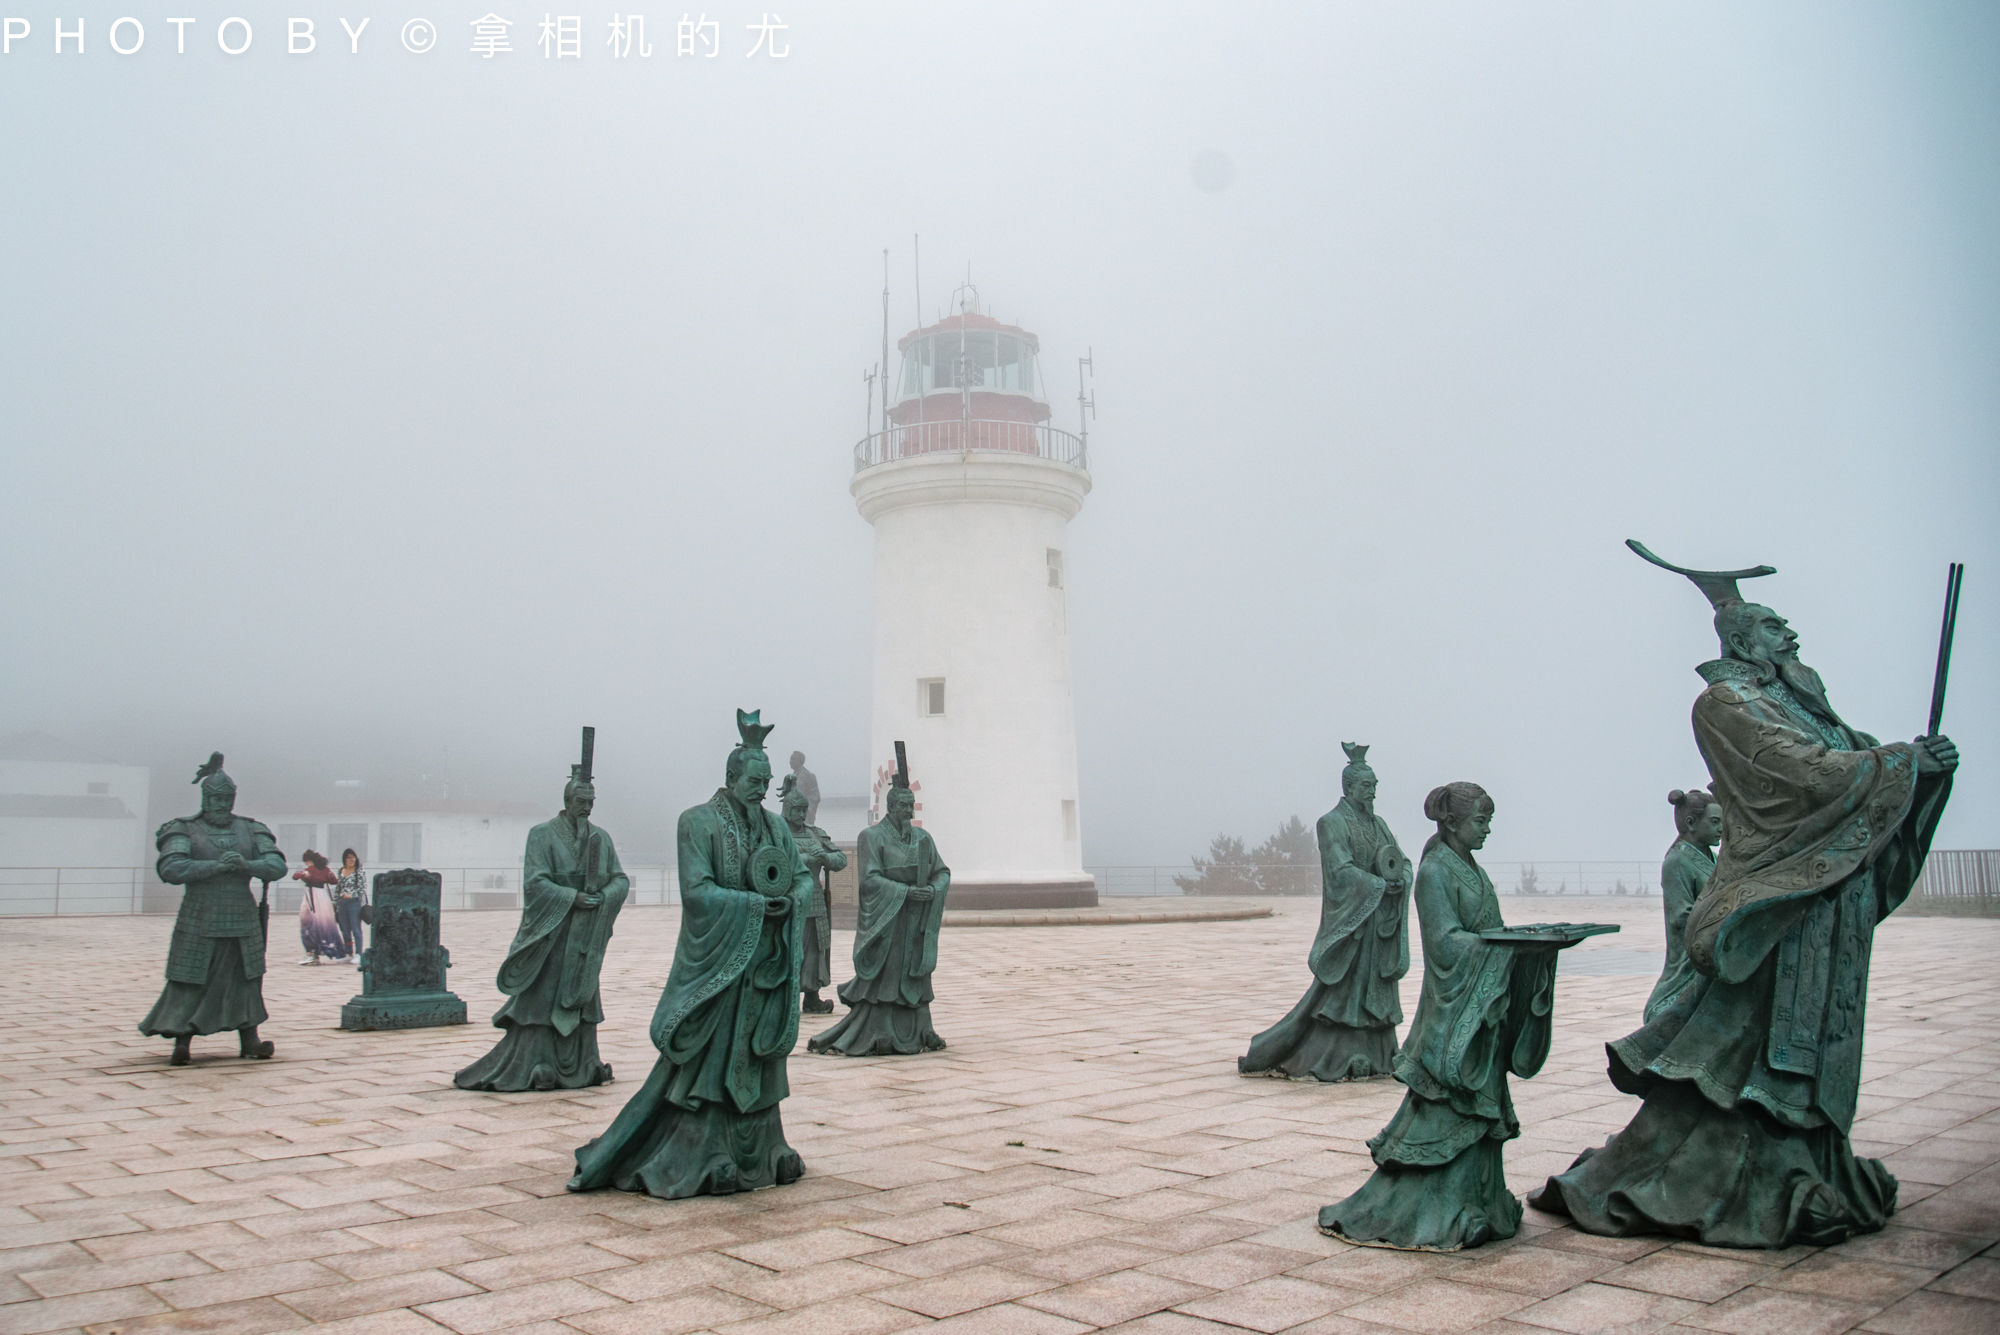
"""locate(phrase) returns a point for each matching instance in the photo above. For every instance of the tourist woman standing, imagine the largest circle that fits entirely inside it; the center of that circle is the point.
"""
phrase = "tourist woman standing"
(350, 892)
(318, 932)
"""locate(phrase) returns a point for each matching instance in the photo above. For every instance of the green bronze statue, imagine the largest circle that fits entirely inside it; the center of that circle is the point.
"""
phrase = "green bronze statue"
(571, 890)
(1439, 1182)
(706, 1121)
(1750, 1074)
(821, 859)
(903, 884)
(215, 966)
(1690, 861)
(1344, 1027)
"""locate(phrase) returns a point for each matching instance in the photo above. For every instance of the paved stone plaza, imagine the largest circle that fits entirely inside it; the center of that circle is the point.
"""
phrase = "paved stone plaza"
(1083, 1156)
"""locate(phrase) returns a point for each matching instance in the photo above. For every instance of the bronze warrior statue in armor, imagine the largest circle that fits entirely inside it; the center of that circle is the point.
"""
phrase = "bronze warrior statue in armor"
(215, 967)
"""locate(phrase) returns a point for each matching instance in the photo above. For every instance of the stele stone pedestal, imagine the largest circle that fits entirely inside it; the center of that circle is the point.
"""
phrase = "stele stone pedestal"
(402, 971)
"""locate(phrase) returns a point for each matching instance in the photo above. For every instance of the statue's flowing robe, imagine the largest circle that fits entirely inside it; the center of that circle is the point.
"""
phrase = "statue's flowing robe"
(1344, 1027)
(550, 975)
(1750, 1075)
(1683, 873)
(706, 1120)
(895, 948)
(215, 966)
(1439, 1183)
(817, 849)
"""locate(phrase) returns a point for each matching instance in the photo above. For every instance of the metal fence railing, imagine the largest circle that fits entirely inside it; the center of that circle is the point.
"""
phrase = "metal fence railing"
(1961, 877)
(975, 436)
(1964, 880)
(62, 891)
(1302, 878)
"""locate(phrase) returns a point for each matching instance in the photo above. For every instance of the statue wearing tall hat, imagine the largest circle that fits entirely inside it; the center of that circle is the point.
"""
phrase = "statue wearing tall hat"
(215, 966)
(1344, 1027)
(822, 858)
(902, 888)
(1749, 1075)
(571, 890)
(706, 1121)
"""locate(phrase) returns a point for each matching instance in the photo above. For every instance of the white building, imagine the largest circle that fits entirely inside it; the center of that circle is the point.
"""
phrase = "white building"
(69, 815)
(971, 491)
(475, 846)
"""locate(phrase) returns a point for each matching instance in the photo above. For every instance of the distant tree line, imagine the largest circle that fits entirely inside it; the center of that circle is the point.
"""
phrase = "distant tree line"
(1285, 864)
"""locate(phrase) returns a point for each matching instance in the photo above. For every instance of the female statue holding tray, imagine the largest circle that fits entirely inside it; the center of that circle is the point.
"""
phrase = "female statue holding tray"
(1439, 1184)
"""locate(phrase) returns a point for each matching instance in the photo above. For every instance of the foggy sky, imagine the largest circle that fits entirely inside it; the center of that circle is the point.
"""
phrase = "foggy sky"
(393, 415)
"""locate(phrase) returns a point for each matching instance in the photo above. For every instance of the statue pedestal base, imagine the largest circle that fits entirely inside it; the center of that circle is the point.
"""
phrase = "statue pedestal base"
(403, 969)
(417, 1010)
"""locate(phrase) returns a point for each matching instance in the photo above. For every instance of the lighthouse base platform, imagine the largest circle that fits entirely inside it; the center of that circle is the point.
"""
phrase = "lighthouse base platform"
(973, 891)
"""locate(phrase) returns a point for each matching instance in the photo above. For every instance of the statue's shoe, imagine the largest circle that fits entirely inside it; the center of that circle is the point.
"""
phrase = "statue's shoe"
(541, 1078)
(723, 1180)
(604, 1073)
(260, 1050)
(790, 1167)
(182, 1052)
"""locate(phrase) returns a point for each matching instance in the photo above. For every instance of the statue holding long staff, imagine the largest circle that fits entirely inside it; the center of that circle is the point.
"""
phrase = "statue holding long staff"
(1750, 1074)
(571, 890)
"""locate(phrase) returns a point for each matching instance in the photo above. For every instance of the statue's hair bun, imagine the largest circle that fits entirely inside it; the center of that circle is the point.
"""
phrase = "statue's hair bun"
(1676, 797)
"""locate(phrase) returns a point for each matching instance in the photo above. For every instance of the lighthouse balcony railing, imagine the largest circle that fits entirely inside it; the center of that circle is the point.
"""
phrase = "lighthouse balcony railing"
(970, 436)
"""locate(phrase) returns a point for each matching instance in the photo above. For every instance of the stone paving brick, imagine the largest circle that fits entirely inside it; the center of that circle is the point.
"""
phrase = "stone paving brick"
(1977, 1278)
(252, 1316)
(90, 1278)
(1119, 1296)
(1600, 1309)
(842, 1316)
(1272, 1304)
(1836, 1276)
(1437, 1307)
(1929, 1313)
(81, 1309)
(1705, 1279)
(225, 1286)
(1762, 1309)
(482, 1313)
(335, 1302)
(694, 1309)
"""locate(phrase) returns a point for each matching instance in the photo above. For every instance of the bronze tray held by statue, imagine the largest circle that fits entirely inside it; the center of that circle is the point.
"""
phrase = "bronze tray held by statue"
(1561, 935)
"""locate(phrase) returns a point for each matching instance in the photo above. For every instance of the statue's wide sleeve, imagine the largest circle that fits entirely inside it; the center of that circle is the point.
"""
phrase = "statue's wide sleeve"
(882, 896)
(616, 883)
(1799, 818)
(545, 901)
(1349, 896)
(1461, 1045)
(719, 929)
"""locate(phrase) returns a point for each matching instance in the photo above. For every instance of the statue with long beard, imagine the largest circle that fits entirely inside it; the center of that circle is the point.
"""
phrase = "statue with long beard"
(1750, 1073)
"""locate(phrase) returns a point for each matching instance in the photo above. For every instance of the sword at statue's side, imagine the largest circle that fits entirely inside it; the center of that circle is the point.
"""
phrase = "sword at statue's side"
(1951, 583)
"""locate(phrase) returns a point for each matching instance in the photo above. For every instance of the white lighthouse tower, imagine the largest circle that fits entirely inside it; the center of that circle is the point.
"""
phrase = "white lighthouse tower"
(971, 492)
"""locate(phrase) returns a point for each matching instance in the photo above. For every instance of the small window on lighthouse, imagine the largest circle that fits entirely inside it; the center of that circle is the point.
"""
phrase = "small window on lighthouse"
(1055, 568)
(930, 697)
